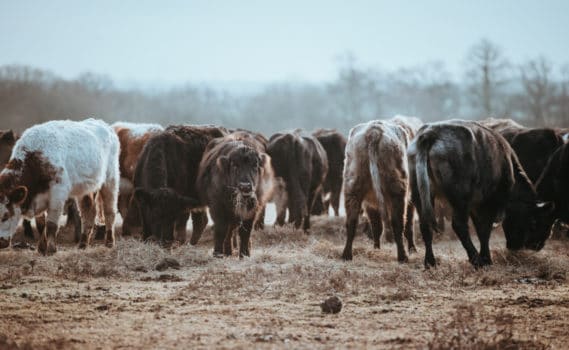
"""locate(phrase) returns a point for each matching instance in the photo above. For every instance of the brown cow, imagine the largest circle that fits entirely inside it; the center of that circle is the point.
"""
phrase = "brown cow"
(376, 177)
(133, 137)
(300, 164)
(234, 181)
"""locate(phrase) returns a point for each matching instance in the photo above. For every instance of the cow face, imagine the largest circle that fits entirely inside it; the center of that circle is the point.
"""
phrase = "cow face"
(10, 211)
(528, 226)
(243, 169)
(159, 209)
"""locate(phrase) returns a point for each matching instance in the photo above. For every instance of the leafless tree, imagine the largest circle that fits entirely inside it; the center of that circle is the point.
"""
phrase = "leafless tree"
(539, 90)
(487, 72)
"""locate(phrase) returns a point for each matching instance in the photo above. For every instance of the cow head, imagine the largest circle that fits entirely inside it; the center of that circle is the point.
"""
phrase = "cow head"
(10, 210)
(528, 225)
(243, 168)
(159, 208)
(7, 141)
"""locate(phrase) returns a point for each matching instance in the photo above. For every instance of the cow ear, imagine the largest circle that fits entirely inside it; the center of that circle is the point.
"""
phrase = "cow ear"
(223, 163)
(545, 207)
(8, 136)
(263, 160)
(18, 195)
(142, 195)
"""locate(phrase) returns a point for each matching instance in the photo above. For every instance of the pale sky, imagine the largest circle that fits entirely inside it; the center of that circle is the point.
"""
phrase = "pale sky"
(262, 41)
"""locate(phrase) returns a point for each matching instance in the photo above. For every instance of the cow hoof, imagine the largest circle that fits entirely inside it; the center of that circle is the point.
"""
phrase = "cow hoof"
(347, 256)
(412, 249)
(430, 262)
(51, 248)
(403, 259)
(480, 262)
(109, 243)
(376, 246)
(82, 245)
(218, 255)
(42, 247)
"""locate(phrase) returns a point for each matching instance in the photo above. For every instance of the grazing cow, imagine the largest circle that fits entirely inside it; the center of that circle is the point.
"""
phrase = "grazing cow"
(334, 144)
(234, 181)
(479, 175)
(55, 161)
(553, 184)
(132, 137)
(164, 181)
(300, 165)
(376, 177)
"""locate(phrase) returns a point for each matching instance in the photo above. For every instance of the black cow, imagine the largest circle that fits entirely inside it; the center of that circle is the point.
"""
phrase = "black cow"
(234, 181)
(553, 184)
(480, 176)
(300, 165)
(164, 181)
(334, 144)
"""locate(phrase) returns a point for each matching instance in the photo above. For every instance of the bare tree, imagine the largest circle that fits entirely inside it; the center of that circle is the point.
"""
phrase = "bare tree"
(487, 72)
(539, 90)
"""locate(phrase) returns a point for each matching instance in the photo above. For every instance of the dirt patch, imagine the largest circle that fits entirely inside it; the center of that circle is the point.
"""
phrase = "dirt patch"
(112, 298)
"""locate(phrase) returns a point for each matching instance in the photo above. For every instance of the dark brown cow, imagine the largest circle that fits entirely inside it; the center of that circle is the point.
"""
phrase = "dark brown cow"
(300, 164)
(234, 181)
(133, 137)
(165, 179)
(553, 184)
(479, 175)
(376, 177)
(334, 144)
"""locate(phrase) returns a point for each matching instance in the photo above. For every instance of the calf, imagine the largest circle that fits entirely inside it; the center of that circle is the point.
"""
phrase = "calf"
(334, 144)
(234, 181)
(164, 181)
(300, 165)
(376, 177)
(132, 137)
(479, 175)
(55, 161)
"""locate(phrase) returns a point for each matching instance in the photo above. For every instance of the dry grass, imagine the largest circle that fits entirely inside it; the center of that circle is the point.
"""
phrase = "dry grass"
(113, 298)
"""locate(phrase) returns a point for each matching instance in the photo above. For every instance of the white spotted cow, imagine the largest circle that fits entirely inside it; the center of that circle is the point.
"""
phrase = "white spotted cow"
(52, 162)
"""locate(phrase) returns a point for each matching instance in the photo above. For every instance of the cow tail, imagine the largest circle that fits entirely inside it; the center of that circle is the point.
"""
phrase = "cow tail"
(424, 144)
(373, 139)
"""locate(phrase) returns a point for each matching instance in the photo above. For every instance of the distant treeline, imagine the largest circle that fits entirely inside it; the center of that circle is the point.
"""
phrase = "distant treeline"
(533, 93)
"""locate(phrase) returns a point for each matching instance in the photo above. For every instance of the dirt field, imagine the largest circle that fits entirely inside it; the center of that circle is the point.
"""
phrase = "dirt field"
(116, 298)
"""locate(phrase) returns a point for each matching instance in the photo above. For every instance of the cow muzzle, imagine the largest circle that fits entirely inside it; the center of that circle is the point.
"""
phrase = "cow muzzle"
(245, 189)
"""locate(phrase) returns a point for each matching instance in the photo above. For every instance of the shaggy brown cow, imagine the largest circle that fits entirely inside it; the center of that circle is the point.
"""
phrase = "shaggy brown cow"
(376, 177)
(234, 181)
(479, 175)
(133, 137)
(300, 164)
(165, 178)
(334, 144)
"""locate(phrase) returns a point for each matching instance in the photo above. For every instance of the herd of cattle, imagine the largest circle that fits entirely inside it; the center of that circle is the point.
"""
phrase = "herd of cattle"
(490, 171)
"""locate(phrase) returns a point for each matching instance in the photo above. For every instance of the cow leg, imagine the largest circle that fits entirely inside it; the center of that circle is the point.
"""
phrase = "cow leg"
(353, 205)
(88, 213)
(483, 223)
(335, 200)
(199, 222)
(260, 221)
(109, 197)
(424, 225)
(28, 230)
(309, 204)
(409, 228)
(244, 235)
(398, 211)
(181, 224)
(318, 207)
(48, 241)
(376, 224)
(40, 223)
(281, 215)
(73, 218)
(131, 218)
(460, 227)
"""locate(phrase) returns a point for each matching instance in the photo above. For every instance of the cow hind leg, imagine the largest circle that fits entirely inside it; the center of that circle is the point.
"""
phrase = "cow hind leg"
(353, 205)
(376, 225)
(28, 230)
(460, 227)
(483, 222)
(409, 228)
(74, 218)
(88, 213)
(398, 212)
(335, 201)
(309, 204)
(108, 202)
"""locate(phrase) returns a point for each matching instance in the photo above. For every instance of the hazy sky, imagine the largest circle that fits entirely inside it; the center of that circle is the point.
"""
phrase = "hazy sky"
(177, 41)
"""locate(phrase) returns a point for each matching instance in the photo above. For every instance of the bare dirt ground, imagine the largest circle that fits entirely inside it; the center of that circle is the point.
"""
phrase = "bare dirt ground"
(101, 298)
